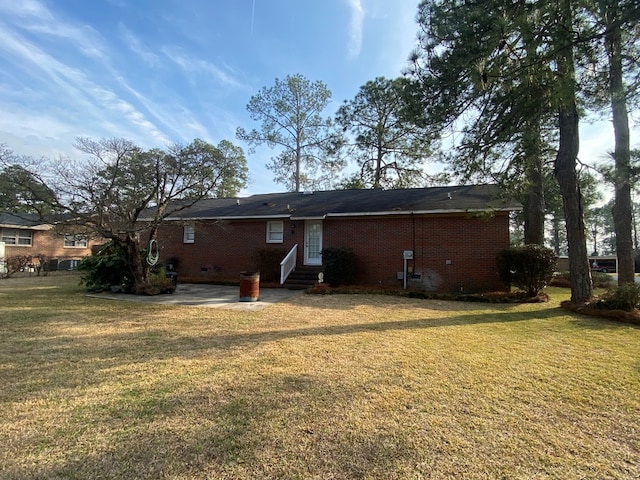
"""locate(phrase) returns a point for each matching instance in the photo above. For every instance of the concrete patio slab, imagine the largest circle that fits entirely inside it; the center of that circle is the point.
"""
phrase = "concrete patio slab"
(213, 296)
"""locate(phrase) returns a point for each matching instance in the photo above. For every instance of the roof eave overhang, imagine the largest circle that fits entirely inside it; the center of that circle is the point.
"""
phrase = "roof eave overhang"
(26, 227)
(230, 217)
(338, 214)
(424, 212)
(308, 217)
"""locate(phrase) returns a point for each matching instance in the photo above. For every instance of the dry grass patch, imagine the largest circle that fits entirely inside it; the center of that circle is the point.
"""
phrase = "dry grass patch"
(342, 386)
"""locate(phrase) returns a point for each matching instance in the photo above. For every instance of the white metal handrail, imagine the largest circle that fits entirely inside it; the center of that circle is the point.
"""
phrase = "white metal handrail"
(288, 265)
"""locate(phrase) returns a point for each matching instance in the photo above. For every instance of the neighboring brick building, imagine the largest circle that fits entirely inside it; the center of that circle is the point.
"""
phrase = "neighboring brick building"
(24, 235)
(454, 234)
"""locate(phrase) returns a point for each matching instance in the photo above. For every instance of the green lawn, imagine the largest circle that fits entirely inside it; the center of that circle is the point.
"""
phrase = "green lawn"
(340, 387)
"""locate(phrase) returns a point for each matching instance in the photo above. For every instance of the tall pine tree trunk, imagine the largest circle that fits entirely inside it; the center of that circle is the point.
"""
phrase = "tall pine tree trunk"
(622, 204)
(556, 235)
(534, 207)
(565, 163)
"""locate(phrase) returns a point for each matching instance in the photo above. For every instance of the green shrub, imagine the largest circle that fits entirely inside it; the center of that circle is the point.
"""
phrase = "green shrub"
(528, 267)
(599, 279)
(104, 269)
(159, 283)
(267, 261)
(339, 266)
(624, 297)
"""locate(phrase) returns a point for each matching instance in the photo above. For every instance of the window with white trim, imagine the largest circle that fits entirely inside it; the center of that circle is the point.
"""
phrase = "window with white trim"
(76, 241)
(189, 234)
(275, 232)
(15, 236)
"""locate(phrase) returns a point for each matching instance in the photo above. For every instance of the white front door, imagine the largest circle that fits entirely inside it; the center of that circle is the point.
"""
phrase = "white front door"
(312, 242)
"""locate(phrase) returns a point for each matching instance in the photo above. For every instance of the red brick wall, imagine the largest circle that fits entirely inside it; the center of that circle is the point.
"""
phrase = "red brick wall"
(451, 253)
(223, 249)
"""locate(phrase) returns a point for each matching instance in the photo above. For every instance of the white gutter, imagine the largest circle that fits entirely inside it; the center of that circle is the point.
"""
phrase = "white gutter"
(25, 227)
(350, 214)
(235, 217)
(312, 217)
(421, 212)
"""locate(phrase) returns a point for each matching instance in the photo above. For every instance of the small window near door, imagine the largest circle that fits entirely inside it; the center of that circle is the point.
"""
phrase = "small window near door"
(189, 235)
(275, 232)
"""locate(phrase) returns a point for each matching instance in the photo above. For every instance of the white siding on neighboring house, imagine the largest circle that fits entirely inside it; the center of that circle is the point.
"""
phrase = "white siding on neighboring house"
(3, 263)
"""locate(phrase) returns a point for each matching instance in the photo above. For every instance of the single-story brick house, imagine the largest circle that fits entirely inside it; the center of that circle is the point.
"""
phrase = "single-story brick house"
(446, 238)
(26, 236)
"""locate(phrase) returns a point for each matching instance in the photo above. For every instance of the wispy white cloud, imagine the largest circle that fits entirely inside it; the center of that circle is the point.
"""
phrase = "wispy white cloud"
(22, 121)
(51, 94)
(37, 19)
(25, 9)
(106, 98)
(72, 88)
(83, 38)
(356, 26)
(196, 65)
(87, 100)
(30, 58)
(136, 46)
(183, 123)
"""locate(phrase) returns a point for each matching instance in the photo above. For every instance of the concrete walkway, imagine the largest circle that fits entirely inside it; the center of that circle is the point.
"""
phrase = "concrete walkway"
(213, 296)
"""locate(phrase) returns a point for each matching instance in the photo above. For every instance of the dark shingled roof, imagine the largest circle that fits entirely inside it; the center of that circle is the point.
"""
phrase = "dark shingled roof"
(299, 205)
(21, 220)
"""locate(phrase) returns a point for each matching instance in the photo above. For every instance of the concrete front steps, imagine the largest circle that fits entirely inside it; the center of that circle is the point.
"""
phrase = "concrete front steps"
(303, 277)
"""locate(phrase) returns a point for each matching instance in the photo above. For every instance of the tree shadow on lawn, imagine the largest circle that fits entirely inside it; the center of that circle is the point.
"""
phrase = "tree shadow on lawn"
(589, 322)
(112, 350)
(52, 357)
(235, 340)
(230, 431)
(160, 344)
(271, 427)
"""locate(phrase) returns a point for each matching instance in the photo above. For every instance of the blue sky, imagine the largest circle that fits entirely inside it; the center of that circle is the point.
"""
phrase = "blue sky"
(164, 71)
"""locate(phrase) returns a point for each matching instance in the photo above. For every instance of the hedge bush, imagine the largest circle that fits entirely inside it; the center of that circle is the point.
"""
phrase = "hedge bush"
(624, 297)
(267, 261)
(104, 269)
(528, 267)
(339, 266)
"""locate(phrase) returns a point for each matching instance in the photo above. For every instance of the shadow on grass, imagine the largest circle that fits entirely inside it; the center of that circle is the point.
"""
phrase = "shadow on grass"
(235, 340)
(227, 432)
(205, 434)
(105, 351)
(49, 359)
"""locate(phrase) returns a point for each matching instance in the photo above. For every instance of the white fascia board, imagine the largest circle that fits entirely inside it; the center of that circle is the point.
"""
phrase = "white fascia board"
(310, 217)
(421, 212)
(234, 217)
(349, 214)
(25, 227)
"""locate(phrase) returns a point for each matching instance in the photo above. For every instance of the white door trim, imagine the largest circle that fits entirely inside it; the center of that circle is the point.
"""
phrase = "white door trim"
(312, 242)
